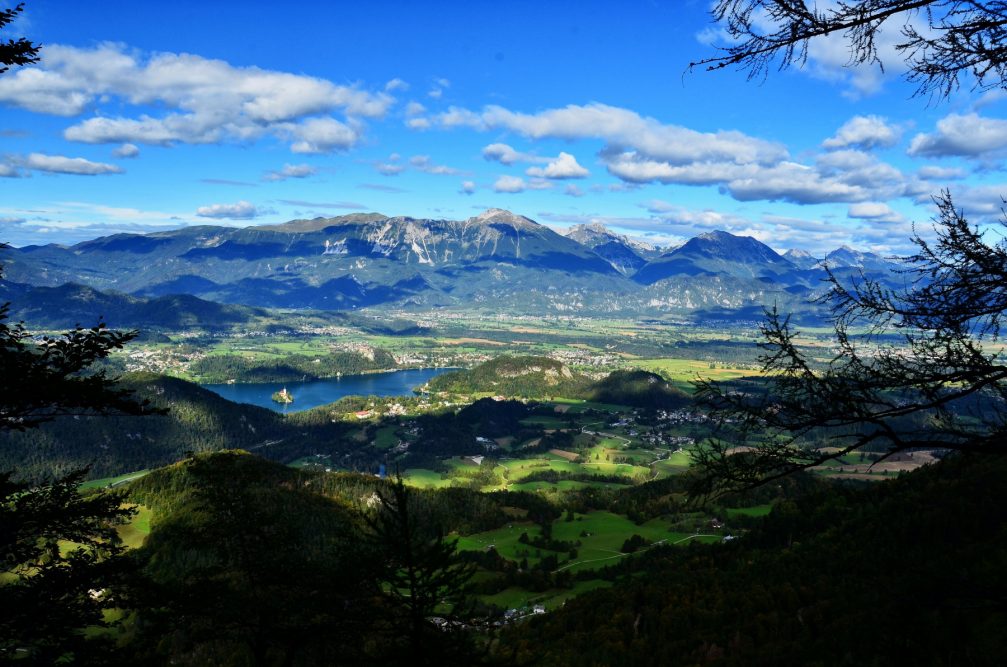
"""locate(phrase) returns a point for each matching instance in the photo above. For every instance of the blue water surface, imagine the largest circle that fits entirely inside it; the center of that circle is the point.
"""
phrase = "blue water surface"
(311, 394)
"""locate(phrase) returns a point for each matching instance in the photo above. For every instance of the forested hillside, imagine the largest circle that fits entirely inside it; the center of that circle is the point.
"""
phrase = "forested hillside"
(292, 368)
(904, 572)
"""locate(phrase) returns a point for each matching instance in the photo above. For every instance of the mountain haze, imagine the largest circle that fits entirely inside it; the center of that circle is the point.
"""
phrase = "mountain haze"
(494, 260)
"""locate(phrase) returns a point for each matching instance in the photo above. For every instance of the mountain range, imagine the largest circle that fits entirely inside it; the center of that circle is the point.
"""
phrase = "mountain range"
(496, 260)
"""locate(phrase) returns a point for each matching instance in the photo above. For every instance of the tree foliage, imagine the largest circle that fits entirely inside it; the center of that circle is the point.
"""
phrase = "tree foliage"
(60, 554)
(942, 41)
(15, 52)
(915, 367)
(425, 580)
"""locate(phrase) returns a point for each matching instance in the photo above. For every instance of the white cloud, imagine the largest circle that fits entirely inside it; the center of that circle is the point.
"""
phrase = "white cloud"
(573, 191)
(391, 167)
(640, 150)
(9, 171)
(982, 203)
(797, 183)
(418, 123)
(864, 132)
(829, 58)
(874, 211)
(126, 151)
(396, 84)
(963, 135)
(59, 164)
(242, 210)
(321, 135)
(563, 167)
(425, 164)
(290, 171)
(415, 109)
(837, 176)
(206, 100)
(504, 154)
(934, 173)
(468, 187)
(511, 184)
(435, 93)
(623, 128)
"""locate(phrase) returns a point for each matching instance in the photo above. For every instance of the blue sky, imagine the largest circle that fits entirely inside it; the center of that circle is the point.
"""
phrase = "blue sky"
(142, 118)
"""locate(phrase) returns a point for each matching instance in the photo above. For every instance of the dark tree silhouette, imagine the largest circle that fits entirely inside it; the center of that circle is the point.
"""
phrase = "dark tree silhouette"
(14, 52)
(47, 377)
(59, 549)
(941, 40)
(61, 566)
(909, 369)
(426, 583)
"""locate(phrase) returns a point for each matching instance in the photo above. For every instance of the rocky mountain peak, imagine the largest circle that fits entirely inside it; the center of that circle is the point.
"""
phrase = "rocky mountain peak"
(502, 216)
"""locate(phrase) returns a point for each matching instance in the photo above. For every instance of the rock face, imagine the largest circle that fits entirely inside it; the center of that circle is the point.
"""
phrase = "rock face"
(626, 255)
(494, 260)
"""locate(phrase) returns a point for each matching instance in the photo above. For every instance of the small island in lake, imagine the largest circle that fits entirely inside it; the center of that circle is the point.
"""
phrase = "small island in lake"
(283, 396)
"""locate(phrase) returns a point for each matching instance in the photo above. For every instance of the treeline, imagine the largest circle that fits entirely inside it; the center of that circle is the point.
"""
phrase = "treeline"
(218, 369)
(541, 377)
(638, 388)
(248, 562)
(198, 420)
(530, 377)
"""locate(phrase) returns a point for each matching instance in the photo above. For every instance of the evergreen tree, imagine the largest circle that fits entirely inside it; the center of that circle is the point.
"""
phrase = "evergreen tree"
(426, 582)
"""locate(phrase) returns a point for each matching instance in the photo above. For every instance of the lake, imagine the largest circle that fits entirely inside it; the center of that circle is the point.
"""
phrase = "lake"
(311, 394)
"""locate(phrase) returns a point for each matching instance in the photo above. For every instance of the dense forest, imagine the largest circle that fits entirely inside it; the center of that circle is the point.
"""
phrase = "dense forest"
(918, 556)
(292, 368)
(904, 572)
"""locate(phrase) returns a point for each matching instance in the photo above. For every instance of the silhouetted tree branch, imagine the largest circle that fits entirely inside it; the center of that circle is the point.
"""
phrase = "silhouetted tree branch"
(15, 52)
(909, 369)
(941, 40)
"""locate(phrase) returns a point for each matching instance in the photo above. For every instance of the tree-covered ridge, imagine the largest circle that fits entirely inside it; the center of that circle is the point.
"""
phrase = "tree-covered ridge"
(293, 368)
(514, 376)
(198, 420)
(638, 388)
(249, 562)
(913, 567)
(541, 377)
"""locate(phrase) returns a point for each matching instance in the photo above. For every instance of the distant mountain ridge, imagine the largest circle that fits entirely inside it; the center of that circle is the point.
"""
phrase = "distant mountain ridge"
(626, 255)
(495, 260)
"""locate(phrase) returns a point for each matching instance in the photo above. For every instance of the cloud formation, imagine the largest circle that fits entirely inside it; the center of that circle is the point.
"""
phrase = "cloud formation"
(874, 211)
(60, 164)
(290, 171)
(127, 151)
(207, 100)
(563, 167)
(639, 150)
(864, 132)
(426, 165)
(504, 154)
(509, 184)
(620, 127)
(241, 210)
(962, 135)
